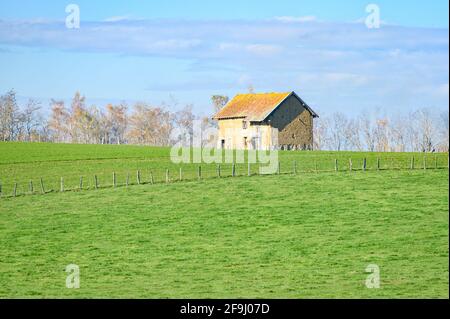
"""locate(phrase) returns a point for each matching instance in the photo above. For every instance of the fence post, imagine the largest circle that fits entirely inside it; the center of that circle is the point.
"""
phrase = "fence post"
(95, 182)
(81, 182)
(15, 190)
(364, 164)
(350, 164)
(378, 163)
(61, 186)
(181, 174)
(42, 186)
(138, 177)
(167, 175)
(249, 171)
(199, 172)
(233, 169)
(30, 187)
(335, 165)
(412, 163)
(114, 179)
(295, 167)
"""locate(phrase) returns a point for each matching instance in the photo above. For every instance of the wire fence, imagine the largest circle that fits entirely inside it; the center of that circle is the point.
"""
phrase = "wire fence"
(189, 172)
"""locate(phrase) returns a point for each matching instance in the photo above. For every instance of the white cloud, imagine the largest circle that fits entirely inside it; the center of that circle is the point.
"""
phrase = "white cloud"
(323, 59)
(263, 49)
(290, 19)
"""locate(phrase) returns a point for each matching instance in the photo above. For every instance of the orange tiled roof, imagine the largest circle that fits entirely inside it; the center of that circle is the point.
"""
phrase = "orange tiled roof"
(252, 106)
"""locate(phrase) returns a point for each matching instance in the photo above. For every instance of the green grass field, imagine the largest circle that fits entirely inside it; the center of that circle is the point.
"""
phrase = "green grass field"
(21, 163)
(280, 236)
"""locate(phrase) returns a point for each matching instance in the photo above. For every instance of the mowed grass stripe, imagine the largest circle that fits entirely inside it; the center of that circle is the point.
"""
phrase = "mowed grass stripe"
(301, 236)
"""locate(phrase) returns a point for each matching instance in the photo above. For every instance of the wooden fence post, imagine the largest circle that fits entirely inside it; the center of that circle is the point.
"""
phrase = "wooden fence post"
(95, 182)
(199, 172)
(81, 182)
(335, 165)
(15, 190)
(350, 164)
(167, 175)
(61, 186)
(30, 187)
(42, 186)
(233, 169)
(138, 177)
(378, 163)
(364, 164)
(114, 179)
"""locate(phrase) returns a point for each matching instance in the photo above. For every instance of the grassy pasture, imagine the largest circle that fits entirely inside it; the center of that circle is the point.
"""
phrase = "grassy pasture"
(24, 162)
(294, 236)
(302, 236)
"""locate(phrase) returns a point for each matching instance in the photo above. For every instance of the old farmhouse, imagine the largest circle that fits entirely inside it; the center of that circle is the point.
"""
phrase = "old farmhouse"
(266, 121)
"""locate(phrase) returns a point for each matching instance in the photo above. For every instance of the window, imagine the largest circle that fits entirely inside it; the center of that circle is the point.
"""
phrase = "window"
(244, 125)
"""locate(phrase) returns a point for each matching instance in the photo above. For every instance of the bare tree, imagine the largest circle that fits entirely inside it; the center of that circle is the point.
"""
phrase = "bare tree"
(31, 119)
(150, 125)
(115, 123)
(9, 116)
(219, 101)
(184, 121)
(368, 131)
(443, 145)
(320, 133)
(59, 121)
(353, 135)
(338, 124)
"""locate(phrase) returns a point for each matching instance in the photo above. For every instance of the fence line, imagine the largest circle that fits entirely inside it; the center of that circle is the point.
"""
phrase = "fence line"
(208, 171)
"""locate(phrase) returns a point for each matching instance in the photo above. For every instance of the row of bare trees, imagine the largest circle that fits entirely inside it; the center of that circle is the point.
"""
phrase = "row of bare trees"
(423, 130)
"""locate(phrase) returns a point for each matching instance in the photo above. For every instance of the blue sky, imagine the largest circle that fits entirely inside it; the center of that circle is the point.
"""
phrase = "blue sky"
(185, 51)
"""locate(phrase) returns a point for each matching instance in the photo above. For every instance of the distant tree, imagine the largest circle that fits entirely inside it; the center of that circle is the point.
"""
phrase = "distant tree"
(9, 116)
(320, 133)
(58, 123)
(338, 125)
(115, 123)
(219, 101)
(150, 125)
(31, 119)
(184, 121)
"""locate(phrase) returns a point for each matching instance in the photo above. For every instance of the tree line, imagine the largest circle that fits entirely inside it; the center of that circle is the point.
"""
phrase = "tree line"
(422, 130)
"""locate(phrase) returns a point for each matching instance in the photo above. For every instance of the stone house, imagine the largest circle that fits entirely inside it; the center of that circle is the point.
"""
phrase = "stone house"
(266, 121)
